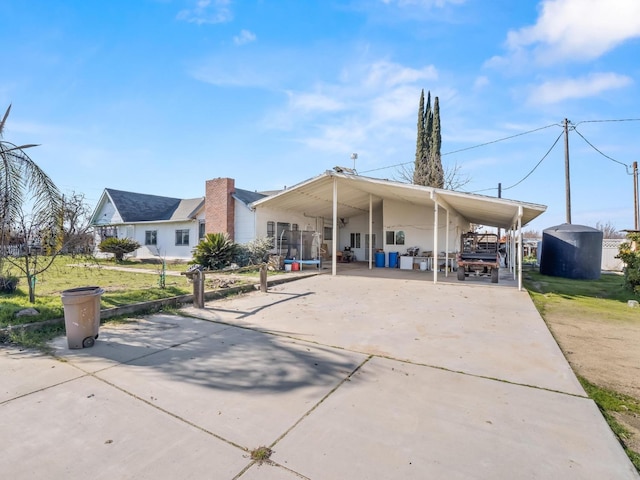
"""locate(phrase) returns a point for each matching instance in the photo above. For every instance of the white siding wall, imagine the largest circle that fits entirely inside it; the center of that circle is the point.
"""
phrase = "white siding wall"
(108, 215)
(264, 215)
(244, 223)
(360, 224)
(166, 240)
(417, 224)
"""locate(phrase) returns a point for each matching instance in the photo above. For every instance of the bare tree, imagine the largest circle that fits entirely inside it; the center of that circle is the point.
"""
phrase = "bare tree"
(39, 236)
(531, 234)
(33, 236)
(454, 179)
(76, 233)
(609, 230)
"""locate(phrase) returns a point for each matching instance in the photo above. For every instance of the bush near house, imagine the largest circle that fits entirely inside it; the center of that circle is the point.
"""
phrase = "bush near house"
(254, 252)
(118, 246)
(8, 283)
(215, 251)
(630, 255)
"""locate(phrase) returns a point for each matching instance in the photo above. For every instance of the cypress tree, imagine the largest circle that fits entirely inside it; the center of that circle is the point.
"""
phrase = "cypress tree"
(436, 172)
(428, 169)
(419, 167)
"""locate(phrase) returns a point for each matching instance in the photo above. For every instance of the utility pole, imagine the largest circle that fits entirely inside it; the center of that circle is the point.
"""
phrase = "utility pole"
(566, 169)
(635, 195)
(499, 196)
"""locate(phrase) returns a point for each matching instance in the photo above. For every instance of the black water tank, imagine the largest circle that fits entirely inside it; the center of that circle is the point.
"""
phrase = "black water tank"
(571, 251)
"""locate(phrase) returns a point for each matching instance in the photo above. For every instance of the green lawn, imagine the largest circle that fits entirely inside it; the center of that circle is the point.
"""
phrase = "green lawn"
(121, 288)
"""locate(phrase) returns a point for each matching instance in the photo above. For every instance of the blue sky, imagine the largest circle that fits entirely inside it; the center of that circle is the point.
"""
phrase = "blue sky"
(157, 96)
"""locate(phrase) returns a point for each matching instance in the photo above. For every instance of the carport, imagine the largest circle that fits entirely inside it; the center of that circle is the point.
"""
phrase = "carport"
(342, 194)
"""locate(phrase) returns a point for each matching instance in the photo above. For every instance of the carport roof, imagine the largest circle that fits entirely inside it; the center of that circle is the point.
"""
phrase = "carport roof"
(314, 197)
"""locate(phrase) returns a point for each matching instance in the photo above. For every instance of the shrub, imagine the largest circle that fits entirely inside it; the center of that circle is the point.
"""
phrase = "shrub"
(254, 252)
(8, 284)
(629, 253)
(215, 251)
(118, 246)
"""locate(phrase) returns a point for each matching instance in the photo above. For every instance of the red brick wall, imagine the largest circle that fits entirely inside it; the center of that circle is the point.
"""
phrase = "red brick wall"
(219, 206)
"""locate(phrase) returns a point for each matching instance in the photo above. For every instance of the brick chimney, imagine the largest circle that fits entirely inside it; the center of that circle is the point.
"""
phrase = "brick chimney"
(219, 211)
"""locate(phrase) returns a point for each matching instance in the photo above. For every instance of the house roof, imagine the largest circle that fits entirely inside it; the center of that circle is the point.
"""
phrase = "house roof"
(247, 197)
(314, 197)
(140, 207)
(188, 208)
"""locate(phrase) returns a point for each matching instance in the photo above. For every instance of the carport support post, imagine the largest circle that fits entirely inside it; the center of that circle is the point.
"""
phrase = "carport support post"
(446, 255)
(435, 241)
(513, 254)
(334, 265)
(519, 248)
(370, 231)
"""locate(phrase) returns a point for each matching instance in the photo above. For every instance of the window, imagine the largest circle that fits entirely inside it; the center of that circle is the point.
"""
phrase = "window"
(201, 230)
(182, 237)
(394, 237)
(328, 233)
(294, 227)
(355, 240)
(271, 229)
(390, 237)
(151, 237)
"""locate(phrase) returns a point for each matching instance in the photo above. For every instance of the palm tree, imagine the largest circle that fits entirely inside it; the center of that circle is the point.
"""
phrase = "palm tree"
(22, 184)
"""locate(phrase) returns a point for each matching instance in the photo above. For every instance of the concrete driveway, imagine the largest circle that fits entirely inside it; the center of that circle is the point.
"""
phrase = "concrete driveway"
(346, 377)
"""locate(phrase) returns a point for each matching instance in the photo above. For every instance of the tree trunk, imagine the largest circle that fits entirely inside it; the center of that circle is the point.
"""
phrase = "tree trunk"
(31, 281)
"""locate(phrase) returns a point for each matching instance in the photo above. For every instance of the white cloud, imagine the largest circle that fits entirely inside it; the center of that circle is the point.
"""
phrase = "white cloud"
(577, 29)
(207, 11)
(314, 102)
(245, 37)
(481, 82)
(589, 86)
(370, 107)
(248, 68)
(387, 74)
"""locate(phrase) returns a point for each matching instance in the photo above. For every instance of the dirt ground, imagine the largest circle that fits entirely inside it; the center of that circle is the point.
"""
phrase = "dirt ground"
(606, 354)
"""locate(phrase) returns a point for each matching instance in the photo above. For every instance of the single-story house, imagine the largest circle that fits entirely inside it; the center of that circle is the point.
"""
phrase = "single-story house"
(170, 228)
(319, 217)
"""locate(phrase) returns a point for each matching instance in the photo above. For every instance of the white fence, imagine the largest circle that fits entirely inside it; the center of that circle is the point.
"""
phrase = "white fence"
(609, 251)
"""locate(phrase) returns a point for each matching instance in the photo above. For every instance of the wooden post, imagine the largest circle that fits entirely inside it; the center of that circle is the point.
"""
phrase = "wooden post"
(566, 171)
(198, 289)
(636, 218)
(263, 278)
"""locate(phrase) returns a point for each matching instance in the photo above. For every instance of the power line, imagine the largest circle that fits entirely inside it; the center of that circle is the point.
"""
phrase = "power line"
(601, 153)
(466, 148)
(519, 135)
(530, 172)
(616, 120)
(500, 139)
(385, 168)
